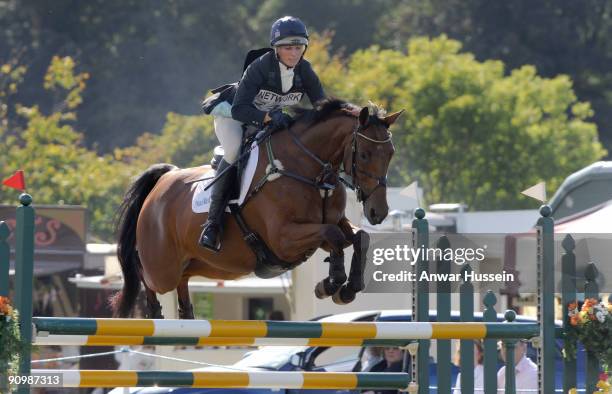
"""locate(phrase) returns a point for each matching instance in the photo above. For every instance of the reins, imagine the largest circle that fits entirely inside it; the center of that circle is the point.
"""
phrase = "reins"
(321, 182)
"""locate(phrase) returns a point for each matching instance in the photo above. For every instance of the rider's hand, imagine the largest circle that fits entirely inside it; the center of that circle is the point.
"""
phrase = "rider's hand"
(279, 120)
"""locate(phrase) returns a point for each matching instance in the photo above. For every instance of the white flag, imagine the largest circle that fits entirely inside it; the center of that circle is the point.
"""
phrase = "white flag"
(413, 192)
(537, 191)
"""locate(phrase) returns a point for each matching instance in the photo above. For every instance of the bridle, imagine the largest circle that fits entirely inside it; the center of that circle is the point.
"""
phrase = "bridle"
(325, 180)
(354, 184)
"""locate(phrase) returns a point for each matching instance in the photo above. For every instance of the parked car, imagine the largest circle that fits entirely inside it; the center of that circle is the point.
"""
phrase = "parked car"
(331, 359)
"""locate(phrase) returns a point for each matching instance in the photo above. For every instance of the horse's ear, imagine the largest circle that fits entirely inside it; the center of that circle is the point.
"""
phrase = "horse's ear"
(364, 115)
(389, 120)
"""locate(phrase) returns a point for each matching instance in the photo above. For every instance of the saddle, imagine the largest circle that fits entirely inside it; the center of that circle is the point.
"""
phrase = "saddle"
(267, 265)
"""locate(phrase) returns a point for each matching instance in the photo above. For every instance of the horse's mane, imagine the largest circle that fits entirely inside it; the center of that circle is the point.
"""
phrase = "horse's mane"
(329, 107)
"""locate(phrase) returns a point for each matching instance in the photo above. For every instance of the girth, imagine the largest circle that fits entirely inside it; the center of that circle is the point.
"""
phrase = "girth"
(267, 264)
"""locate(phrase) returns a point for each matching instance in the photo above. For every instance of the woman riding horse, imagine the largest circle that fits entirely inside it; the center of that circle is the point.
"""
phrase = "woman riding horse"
(297, 206)
(275, 80)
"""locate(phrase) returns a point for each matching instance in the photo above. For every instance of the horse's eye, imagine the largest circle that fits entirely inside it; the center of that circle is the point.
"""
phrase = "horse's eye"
(363, 156)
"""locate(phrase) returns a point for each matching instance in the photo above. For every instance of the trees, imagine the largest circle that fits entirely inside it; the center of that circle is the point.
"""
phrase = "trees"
(185, 141)
(145, 58)
(150, 58)
(557, 37)
(470, 133)
(59, 169)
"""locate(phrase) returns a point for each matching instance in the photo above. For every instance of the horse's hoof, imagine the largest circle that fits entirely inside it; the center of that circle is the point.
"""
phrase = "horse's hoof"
(320, 291)
(326, 288)
(357, 287)
(344, 296)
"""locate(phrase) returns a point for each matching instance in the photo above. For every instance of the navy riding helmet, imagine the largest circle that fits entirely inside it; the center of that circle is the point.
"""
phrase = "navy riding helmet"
(288, 27)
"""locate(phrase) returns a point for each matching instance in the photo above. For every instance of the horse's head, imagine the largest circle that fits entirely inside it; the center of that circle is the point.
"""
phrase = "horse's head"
(367, 162)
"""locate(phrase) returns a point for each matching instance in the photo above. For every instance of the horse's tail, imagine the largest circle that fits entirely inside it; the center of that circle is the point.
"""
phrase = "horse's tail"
(122, 303)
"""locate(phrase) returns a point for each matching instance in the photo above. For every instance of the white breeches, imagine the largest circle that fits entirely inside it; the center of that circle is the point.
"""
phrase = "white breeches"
(229, 133)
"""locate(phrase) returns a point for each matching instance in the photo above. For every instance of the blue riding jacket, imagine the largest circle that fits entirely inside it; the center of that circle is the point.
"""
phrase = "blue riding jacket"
(260, 89)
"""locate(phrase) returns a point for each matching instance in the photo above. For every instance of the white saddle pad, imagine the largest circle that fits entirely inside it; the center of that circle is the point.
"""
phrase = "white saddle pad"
(200, 202)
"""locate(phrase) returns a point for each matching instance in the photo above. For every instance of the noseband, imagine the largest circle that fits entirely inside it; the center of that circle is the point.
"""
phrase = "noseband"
(321, 181)
(381, 180)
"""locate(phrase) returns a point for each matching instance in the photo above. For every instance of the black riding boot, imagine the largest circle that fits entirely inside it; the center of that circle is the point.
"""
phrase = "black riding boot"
(220, 195)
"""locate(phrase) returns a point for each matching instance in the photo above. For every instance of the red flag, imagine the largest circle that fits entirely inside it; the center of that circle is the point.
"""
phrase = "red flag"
(16, 181)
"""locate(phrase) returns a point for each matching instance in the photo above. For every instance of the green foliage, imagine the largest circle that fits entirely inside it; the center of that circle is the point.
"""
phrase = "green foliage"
(11, 75)
(146, 58)
(186, 141)
(355, 22)
(58, 168)
(61, 170)
(558, 37)
(591, 325)
(328, 67)
(470, 133)
(150, 58)
(61, 77)
(11, 345)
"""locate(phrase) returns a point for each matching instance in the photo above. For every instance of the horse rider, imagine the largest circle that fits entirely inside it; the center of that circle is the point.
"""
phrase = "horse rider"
(273, 81)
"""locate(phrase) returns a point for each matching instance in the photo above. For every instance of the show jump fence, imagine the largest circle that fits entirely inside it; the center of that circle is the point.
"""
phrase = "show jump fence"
(415, 336)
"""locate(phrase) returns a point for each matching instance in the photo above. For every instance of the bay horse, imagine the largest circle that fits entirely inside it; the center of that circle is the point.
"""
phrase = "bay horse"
(158, 232)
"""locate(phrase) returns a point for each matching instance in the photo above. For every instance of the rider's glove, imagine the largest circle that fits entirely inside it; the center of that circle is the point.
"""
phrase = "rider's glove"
(279, 120)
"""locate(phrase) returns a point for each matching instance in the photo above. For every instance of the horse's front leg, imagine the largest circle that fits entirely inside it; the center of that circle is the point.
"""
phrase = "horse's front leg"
(300, 240)
(360, 240)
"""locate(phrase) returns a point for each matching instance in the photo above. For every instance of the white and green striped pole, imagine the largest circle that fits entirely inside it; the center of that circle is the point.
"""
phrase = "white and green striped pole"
(331, 331)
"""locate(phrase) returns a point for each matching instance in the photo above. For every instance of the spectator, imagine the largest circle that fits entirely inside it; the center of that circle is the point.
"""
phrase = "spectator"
(392, 362)
(371, 356)
(526, 371)
(478, 369)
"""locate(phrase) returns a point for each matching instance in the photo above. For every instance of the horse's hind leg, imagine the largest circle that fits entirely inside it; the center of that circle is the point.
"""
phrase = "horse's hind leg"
(153, 305)
(185, 307)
